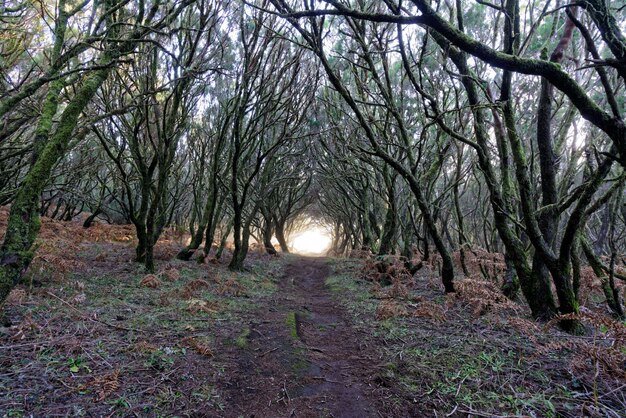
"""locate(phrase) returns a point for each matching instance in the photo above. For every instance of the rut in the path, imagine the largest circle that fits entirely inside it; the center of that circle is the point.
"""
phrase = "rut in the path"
(334, 376)
(309, 360)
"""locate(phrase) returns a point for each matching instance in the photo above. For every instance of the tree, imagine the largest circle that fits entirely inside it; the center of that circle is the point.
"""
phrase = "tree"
(120, 30)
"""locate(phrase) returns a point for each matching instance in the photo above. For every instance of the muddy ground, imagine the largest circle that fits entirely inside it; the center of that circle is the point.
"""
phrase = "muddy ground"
(291, 336)
(313, 362)
(270, 342)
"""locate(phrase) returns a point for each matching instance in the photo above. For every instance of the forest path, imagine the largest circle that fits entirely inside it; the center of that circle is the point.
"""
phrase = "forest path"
(310, 360)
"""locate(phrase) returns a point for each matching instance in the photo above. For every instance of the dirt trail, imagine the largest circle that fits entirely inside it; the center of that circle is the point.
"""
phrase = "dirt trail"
(306, 358)
(335, 376)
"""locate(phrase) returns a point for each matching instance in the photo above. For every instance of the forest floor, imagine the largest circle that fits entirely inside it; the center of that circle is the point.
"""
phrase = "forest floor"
(290, 337)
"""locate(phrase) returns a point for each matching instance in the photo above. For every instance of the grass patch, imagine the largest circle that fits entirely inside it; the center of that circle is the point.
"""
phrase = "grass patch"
(463, 362)
(299, 363)
(98, 317)
(292, 325)
(354, 295)
(242, 340)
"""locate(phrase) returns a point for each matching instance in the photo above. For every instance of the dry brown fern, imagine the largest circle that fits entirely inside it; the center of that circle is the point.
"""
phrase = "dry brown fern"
(198, 284)
(524, 326)
(198, 305)
(604, 353)
(16, 297)
(192, 288)
(397, 290)
(387, 270)
(607, 327)
(143, 347)
(360, 253)
(164, 299)
(24, 329)
(171, 274)
(484, 297)
(213, 277)
(79, 298)
(589, 283)
(389, 309)
(200, 347)
(231, 287)
(107, 385)
(430, 310)
(150, 281)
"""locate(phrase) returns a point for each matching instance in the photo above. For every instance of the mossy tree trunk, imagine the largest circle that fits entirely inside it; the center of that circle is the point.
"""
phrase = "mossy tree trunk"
(225, 233)
(212, 208)
(213, 224)
(548, 164)
(537, 293)
(242, 244)
(199, 234)
(463, 241)
(611, 293)
(280, 236)
(387, 240)
(24, 223)
(268, 232)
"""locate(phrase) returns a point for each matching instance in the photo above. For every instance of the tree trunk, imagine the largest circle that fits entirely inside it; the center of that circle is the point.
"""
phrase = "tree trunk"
(549, 219)
(149, 258)
(236, 263)
(611, 293)
(225, 234)
(537, 294)
(212, 227)
(280, 236)
(89, 221)
(205, 231)
(267, 239)
(142, 243)
(24, 223)
(240, 253)
(387, 240)
(510, 284)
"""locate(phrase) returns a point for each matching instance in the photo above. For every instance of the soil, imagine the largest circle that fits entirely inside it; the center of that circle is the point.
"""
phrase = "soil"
(89, 340)
(312, 361)
(292, 336)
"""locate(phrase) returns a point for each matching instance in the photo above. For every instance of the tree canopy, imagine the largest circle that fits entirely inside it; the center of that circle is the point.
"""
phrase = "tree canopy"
(410, 129)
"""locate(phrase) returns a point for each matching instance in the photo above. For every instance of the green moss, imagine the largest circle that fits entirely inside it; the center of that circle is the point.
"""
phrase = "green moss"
(242, 339)
(292, 323)
(299, 362)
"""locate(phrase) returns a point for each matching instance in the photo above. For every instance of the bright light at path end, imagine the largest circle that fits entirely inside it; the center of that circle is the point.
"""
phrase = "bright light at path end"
(312, 241)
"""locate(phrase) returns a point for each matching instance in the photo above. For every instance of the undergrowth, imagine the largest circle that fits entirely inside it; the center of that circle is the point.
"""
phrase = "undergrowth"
(101, 338)
(476, 352)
